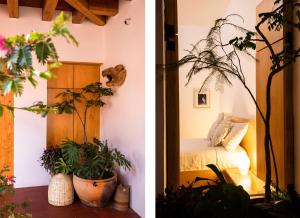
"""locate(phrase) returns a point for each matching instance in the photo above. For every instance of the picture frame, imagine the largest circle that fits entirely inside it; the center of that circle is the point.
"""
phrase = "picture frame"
(201, 99)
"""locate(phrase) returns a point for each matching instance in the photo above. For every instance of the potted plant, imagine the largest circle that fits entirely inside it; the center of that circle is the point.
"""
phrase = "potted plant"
(60, 189)
(93, 163)
(94, 177)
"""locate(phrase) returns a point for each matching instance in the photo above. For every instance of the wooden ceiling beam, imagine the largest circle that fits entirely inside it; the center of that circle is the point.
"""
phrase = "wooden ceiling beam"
(13, 8)
(104, 7)
(77, 17)
(82, 7)
(49, 9)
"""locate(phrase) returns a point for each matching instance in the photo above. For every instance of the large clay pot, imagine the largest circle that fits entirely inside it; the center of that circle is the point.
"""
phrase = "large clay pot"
(60, 190)
(95, 193)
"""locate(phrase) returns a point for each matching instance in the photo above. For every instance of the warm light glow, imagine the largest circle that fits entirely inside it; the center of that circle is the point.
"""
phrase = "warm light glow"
(246, 182)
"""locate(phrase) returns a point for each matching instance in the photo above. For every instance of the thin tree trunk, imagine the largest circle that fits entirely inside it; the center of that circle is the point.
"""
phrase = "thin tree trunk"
(267, 141)
(84, 126)
(270, 140)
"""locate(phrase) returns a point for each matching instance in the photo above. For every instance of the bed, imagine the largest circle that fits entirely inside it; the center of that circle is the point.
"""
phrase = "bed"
(195, 154)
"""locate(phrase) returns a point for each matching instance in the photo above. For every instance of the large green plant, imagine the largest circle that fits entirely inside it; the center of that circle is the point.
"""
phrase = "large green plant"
(16, 67)
(93, 160)
(222, 60)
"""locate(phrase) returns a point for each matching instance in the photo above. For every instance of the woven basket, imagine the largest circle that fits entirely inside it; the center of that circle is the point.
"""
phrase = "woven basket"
(60, 190)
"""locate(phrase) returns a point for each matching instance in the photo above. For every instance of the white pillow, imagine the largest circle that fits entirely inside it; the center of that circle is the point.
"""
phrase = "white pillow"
(235, 136)
(220, 133)
(214, 126)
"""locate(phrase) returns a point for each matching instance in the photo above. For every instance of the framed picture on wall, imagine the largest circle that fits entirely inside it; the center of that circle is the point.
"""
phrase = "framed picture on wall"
(201, 99)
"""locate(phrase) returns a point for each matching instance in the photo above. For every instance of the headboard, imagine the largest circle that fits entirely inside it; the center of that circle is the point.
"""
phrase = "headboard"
(249, 141)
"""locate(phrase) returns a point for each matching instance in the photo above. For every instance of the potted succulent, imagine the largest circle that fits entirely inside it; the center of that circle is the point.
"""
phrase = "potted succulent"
(92, 164)
(60, 189)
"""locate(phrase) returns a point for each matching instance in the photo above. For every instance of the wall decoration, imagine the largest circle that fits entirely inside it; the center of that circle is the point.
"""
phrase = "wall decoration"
(201, 99)
(115, 75)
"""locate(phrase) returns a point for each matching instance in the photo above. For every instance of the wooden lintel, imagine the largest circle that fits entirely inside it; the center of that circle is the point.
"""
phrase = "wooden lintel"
(13, 8)
(49, 9)
(82, 7)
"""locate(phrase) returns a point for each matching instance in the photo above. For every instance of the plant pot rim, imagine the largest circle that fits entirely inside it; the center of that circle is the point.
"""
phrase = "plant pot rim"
(97, 180)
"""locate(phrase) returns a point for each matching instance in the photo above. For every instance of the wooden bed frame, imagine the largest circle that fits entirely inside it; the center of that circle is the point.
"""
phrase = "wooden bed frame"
(248, 143)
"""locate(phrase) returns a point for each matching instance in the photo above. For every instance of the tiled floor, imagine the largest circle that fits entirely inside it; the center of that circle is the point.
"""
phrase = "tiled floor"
(39, 207)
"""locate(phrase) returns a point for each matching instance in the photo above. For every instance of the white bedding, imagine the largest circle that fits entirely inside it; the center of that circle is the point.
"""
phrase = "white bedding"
(195, 154)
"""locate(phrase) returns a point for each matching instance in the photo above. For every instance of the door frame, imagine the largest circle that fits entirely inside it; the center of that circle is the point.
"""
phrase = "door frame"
(167, 96)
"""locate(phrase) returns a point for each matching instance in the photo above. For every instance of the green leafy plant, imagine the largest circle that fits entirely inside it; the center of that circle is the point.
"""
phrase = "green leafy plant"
(218, 199)
(93, 160)
(223, 61)
(90, 96)
(7, 209)
(62, 167)
(49, 158)
(16, 53)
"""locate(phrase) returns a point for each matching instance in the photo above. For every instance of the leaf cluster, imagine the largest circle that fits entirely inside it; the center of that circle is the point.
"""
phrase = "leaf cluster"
(91, 96)
(217, 199)
(89, 161)
(220, 59)
(8, 209)
(280, 15)
(16, 66)
(49, 157)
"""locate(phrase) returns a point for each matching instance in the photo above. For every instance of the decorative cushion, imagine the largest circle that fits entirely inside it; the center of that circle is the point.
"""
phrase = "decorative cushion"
(235, 136)
(220, 133)
(214, 126)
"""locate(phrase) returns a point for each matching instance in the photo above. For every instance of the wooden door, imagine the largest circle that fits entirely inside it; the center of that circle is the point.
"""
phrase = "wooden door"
(7, 135)
(60, 127)
(281, 100)
(84, 75)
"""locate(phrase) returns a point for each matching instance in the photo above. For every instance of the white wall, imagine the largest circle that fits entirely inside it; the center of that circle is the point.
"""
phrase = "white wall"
(123, 120)
(195, 17)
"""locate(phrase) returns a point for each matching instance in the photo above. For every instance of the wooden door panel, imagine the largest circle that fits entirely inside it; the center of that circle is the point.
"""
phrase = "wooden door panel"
(7, 135)
(59, 126)
(93, 124)
(85, 74)
(64, 77)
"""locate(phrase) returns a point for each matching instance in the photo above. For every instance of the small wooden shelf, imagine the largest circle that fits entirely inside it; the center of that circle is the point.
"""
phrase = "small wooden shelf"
(251, 183)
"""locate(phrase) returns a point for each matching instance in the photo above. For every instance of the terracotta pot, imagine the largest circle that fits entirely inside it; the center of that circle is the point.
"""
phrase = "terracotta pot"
(95, 193)
(121, 198)
(60, 190)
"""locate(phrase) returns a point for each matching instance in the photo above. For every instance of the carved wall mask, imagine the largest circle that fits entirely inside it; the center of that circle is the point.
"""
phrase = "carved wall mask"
(115, 75)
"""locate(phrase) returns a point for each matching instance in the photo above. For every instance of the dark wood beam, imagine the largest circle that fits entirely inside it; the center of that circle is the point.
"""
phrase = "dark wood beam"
(13, 8)
(82, 7)
(104, 7)
(49, 9)
(77, 17)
